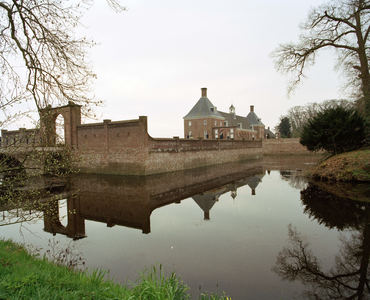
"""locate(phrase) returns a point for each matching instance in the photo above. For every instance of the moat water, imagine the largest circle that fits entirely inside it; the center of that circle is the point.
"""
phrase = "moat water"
(257, 230)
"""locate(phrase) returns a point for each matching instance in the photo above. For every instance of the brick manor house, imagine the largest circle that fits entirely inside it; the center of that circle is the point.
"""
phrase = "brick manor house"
(205, 121)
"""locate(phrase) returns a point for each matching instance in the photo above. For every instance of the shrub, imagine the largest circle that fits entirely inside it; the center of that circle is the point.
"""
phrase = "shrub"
(335, 130)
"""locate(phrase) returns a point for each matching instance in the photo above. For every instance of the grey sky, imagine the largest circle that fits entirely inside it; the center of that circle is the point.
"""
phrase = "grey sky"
(153, 59)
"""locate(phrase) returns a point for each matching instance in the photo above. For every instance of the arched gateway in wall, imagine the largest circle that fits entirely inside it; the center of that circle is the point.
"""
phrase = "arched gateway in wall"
(72, 118)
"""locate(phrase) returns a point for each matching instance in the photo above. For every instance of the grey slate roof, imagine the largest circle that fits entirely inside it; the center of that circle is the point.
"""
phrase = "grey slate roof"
(203, 108)
(253, 119)
(235, 121)
(255, 180)
(205, 201)
(270, 133)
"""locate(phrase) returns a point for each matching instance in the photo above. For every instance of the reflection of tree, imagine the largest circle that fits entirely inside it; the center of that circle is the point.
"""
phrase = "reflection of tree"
(349, 278)
(294, 178)
(331, 210)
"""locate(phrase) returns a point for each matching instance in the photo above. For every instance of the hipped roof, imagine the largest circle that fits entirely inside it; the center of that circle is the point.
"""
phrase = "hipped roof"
(203, 109)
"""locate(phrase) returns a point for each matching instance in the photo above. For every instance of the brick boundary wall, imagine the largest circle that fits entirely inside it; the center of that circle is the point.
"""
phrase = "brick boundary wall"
(125, 148)
(284, 147)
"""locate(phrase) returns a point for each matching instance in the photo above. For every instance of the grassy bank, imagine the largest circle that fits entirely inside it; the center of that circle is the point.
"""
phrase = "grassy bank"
(350, 166)
(24, 276)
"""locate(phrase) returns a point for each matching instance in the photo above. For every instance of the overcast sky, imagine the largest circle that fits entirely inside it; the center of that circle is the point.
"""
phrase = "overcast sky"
(154, 58)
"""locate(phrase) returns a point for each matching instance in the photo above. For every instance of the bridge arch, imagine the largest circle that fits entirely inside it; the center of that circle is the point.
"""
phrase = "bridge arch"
(60, 130)
(71, 114)
(9, 165)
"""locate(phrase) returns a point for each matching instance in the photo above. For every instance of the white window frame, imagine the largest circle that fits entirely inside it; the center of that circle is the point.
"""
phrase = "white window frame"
(189, 123)
(205, 122)
(232, 130)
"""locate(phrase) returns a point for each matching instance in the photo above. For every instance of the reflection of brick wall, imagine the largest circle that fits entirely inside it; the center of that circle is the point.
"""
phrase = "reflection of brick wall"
(283, 147)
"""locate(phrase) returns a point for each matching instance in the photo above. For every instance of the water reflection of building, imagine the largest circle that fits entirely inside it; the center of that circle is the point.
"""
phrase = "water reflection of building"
(207, 199)
(129, 201)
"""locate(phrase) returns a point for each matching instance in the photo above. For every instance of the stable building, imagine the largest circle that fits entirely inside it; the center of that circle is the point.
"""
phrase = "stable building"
(205, 121)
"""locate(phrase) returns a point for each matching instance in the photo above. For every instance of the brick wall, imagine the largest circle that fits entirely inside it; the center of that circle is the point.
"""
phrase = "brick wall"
(283, 147)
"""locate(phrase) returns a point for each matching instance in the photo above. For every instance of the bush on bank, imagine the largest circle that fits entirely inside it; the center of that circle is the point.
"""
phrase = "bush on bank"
(335, 130)
(24, 276)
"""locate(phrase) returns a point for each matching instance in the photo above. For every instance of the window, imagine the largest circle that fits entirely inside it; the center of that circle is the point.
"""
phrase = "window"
(189, 133)
(216, 136)
(225, 123)
(215, 123)
(205, 134)
(220, 123)
(240, 125)
(189, 123)
(205, 122)
(232, 130)
(216, 131)
(232, 135)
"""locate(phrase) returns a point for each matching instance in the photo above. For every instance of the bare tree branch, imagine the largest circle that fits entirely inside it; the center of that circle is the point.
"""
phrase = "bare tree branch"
(340, 25)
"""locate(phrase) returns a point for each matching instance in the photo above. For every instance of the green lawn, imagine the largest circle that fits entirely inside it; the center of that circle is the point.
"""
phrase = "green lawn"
(25, 276)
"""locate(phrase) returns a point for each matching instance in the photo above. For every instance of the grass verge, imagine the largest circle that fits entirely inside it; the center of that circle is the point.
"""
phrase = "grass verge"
(24, 276)
(346, 167)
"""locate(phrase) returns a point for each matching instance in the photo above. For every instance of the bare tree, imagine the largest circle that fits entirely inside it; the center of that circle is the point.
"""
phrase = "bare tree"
(300, 115)
(41, 59)
(341, 25)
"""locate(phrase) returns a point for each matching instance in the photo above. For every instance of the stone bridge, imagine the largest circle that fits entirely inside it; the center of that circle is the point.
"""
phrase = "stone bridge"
(32, 160)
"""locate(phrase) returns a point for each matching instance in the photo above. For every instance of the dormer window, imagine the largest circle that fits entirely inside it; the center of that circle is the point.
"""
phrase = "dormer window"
(226, 124)
(240, 125)
(212, 109)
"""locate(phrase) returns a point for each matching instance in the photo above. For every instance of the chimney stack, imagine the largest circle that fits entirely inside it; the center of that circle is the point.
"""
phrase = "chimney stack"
(252, 108)
(204, 92)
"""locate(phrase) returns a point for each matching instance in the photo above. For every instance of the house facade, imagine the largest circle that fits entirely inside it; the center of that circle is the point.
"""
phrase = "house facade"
(205, 121)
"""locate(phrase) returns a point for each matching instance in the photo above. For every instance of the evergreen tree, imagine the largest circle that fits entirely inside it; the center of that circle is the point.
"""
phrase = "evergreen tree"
(335, 130)
(284, 127)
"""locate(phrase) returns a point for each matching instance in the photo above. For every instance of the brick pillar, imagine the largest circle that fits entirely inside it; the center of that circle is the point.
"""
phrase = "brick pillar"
(143, 123)
(201, 143)
(106, 137)
(177, 139)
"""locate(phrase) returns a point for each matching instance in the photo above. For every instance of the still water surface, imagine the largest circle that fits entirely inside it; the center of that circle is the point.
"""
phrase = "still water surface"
(221, 229)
